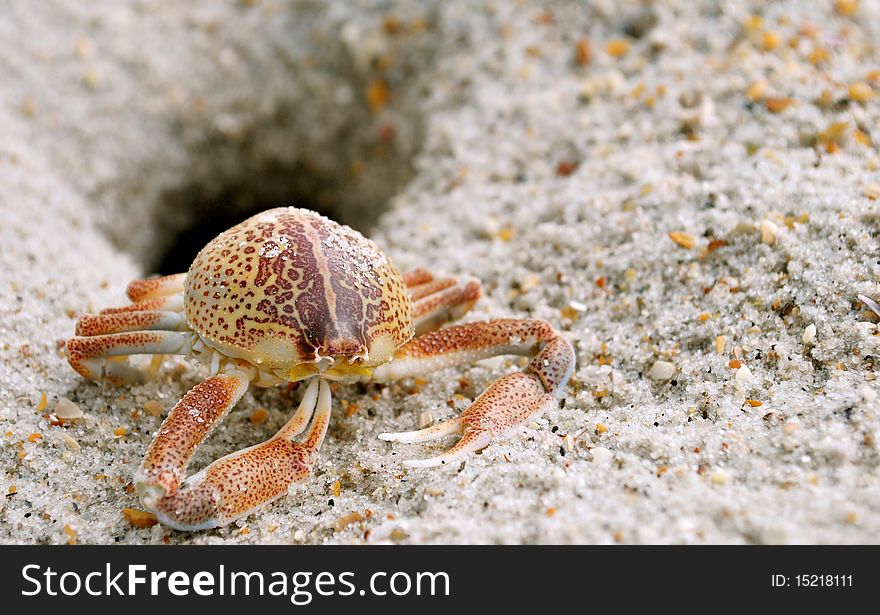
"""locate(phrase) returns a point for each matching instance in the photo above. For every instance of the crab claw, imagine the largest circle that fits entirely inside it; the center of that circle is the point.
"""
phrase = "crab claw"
(510, 401)
(232, 487)
(237, 484)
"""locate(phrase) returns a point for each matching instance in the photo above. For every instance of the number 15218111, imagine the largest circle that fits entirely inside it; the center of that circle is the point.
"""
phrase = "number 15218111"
(812, 580)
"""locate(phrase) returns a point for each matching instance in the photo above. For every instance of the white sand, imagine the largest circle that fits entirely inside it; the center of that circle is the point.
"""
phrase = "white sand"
(117, 118)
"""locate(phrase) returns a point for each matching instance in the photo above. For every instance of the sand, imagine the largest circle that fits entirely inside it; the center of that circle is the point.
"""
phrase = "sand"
(549, 150)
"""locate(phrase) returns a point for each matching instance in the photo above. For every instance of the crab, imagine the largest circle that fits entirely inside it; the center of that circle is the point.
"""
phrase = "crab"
(291, 296)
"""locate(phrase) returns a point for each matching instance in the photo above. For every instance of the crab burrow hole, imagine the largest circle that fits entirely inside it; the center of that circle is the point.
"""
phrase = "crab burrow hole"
(333, 128)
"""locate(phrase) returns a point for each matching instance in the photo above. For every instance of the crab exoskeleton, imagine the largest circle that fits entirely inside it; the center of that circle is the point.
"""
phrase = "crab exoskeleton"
(286, 296)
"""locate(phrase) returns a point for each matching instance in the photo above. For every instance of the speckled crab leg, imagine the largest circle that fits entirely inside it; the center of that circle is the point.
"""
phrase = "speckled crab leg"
(152, 288)
(417, 277)
(429, 288)
(89, 356)
(152, 320)
(184, 429)
(512, 400)
(167, 303)
(235, 485)
(448, 303)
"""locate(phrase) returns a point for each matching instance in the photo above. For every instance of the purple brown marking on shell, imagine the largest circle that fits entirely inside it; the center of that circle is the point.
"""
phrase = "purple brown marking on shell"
(289, 286)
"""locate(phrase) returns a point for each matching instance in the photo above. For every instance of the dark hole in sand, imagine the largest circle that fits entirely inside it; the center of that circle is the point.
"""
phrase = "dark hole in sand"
(192, 218)
(323, 143)
(187, 243)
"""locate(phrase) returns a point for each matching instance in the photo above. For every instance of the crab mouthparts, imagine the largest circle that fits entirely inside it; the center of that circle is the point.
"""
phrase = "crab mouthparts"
(330, 368)
(324, 363)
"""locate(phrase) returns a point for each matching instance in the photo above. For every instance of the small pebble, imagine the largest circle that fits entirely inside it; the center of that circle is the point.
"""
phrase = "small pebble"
(771, 40)
(778, 105)
(720, 477)
(529, 281)
(259, 416)
(67, 410)
(743, 376)
(154, 408)
(582, 52)
(847, 8)
(809, 334)
(617, 47)
(70, 442)
(139, 518)
(662, 370)
(757, 90)
(377, 95)
(860, 91)
(684, 240)
(768, 232)
(92, 78)
(344, 522)
(71, 534)
(602, 456)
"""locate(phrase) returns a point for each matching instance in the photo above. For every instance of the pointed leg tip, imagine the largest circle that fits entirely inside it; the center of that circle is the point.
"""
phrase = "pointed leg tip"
(872, 305)
(433, 462)
(395, 436)
(149, 494)
(435, 432)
